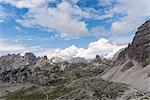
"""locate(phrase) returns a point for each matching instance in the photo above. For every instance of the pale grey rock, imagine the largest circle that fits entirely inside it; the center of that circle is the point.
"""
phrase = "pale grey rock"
(78, 60)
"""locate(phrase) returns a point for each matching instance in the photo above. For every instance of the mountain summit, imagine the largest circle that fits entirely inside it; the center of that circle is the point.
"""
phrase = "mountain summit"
(133, 64)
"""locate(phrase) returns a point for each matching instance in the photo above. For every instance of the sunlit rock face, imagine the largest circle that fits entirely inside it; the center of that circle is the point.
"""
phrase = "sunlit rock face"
(133, 64)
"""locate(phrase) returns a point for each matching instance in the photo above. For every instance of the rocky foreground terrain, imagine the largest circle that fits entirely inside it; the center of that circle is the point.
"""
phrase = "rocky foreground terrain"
(38, 78)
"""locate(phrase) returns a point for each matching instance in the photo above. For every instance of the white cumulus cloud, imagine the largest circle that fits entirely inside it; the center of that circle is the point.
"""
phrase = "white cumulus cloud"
(103, 47)
(135, 10)
(65, 18)
(61, 19)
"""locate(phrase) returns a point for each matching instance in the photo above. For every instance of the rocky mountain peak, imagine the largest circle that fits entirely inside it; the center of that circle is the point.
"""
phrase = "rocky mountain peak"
(98, 58)
(44, 58)
(30, 57)
(139, 49)
(132, 65)
(13, 61)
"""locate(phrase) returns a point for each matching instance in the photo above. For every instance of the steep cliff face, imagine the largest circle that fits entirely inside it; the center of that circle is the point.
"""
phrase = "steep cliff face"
(139, 50)
(133, 64)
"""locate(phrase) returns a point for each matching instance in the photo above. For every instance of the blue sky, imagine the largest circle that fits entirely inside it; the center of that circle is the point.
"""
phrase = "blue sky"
(69, 28)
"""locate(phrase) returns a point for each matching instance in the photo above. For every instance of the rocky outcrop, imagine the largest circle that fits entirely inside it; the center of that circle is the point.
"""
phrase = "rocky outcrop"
(14, 61)
(133, 64)
(139, 49)
(30, 58)
(10, 62)
(97, 59)
(21, 69)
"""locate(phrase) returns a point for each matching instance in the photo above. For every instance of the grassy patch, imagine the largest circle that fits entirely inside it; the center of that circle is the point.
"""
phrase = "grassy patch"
(59, 91)
(22, 95)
